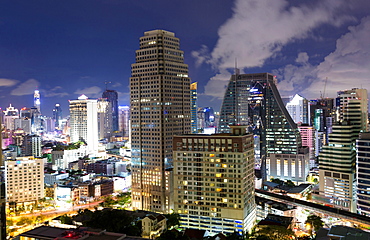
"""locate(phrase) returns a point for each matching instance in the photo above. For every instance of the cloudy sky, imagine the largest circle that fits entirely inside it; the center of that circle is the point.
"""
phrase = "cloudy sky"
(67, 48)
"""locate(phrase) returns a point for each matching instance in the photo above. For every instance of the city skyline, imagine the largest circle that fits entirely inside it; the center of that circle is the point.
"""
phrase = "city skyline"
(67, 49)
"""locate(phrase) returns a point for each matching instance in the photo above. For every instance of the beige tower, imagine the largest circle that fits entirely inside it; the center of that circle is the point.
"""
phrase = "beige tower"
(214, 181)
(160, 108)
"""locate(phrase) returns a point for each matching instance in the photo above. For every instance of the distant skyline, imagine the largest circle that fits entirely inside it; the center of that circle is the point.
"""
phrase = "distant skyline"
(69, 48)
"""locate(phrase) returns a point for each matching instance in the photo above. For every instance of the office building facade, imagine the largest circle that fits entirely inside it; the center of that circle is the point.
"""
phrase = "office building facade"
(214, 181)
(363, 173)
(253, 99)
(337, 160)
(298, 109)
(24, 179)
(112, 97)
(160, 109)
(84, 121)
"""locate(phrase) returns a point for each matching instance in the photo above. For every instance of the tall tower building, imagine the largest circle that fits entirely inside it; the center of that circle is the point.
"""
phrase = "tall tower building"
(124, 120)
(214, 181)
(104, 118)
(160, 109)
(112, 97)
(36, 100)
(24, 179)
(363, 174)
(10, 114)
(337, 160)
(193, 96)
(84, 121)
(298, 109)
(57, 115)
(253, 99)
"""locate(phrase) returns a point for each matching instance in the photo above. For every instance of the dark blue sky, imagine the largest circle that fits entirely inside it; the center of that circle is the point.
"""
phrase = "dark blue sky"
(66, 48)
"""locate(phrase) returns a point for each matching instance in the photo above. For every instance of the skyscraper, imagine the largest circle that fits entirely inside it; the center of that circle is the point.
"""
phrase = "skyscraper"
(253, 99)
(36, 100)
(193, 92)
(298, 109)
(363, 174)
(124, 120)
(337, 160)
(84, 121)
(104, 118)
(160, 109)
(112, 97)
(57, 115)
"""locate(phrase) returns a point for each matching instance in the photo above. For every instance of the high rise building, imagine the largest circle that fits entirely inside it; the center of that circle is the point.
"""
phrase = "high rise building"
(36, 100)
(32, 146)
(160, 108)
(25, 179)
(309, 136)
(337, 160)
(2, 205)
(84, 121)
(193, 98)
(10, 114)
(298, 109)
(104, 118)
(253, 99)
(124, 120)
(57, 115)
(214, 181)
(363, 173)
(112, 97)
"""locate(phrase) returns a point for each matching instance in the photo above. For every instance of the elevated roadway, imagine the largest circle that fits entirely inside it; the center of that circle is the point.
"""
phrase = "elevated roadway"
(334, 212)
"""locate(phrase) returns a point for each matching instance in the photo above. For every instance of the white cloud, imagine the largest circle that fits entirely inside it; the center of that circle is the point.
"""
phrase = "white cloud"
(26, 88)
(4, 82)
(345, 68)
(91, 92)
(55, 92)
(296, 77)
(258, 29)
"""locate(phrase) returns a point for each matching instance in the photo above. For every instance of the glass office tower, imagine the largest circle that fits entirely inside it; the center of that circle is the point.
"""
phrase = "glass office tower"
(253, 99)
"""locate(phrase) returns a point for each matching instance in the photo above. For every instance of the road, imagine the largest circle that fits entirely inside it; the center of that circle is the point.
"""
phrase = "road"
(49, 215)
(335, 212)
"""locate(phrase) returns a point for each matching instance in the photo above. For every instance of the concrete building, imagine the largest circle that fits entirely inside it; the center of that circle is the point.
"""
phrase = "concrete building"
(298, 109)
(160, 109)
(363, 173)
(124, 120)
(293, 167)
(214, 181)
(309, 137)
(10, 114)
(104, 118)
(25, 179)
(32, 146)
(337, 159)
(84, 121)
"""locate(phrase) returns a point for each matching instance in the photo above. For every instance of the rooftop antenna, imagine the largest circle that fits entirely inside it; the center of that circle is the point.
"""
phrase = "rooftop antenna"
(106, 85)
(236, 73)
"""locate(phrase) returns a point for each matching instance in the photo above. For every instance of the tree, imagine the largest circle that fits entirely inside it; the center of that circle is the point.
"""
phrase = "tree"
(114, 221)
(108, 202)
(65, 219)
(314, 222)
(173, 220)
(272, 232)
(234, 236)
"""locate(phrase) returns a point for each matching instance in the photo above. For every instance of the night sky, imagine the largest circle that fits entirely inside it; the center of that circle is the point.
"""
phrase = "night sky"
(67, 48)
